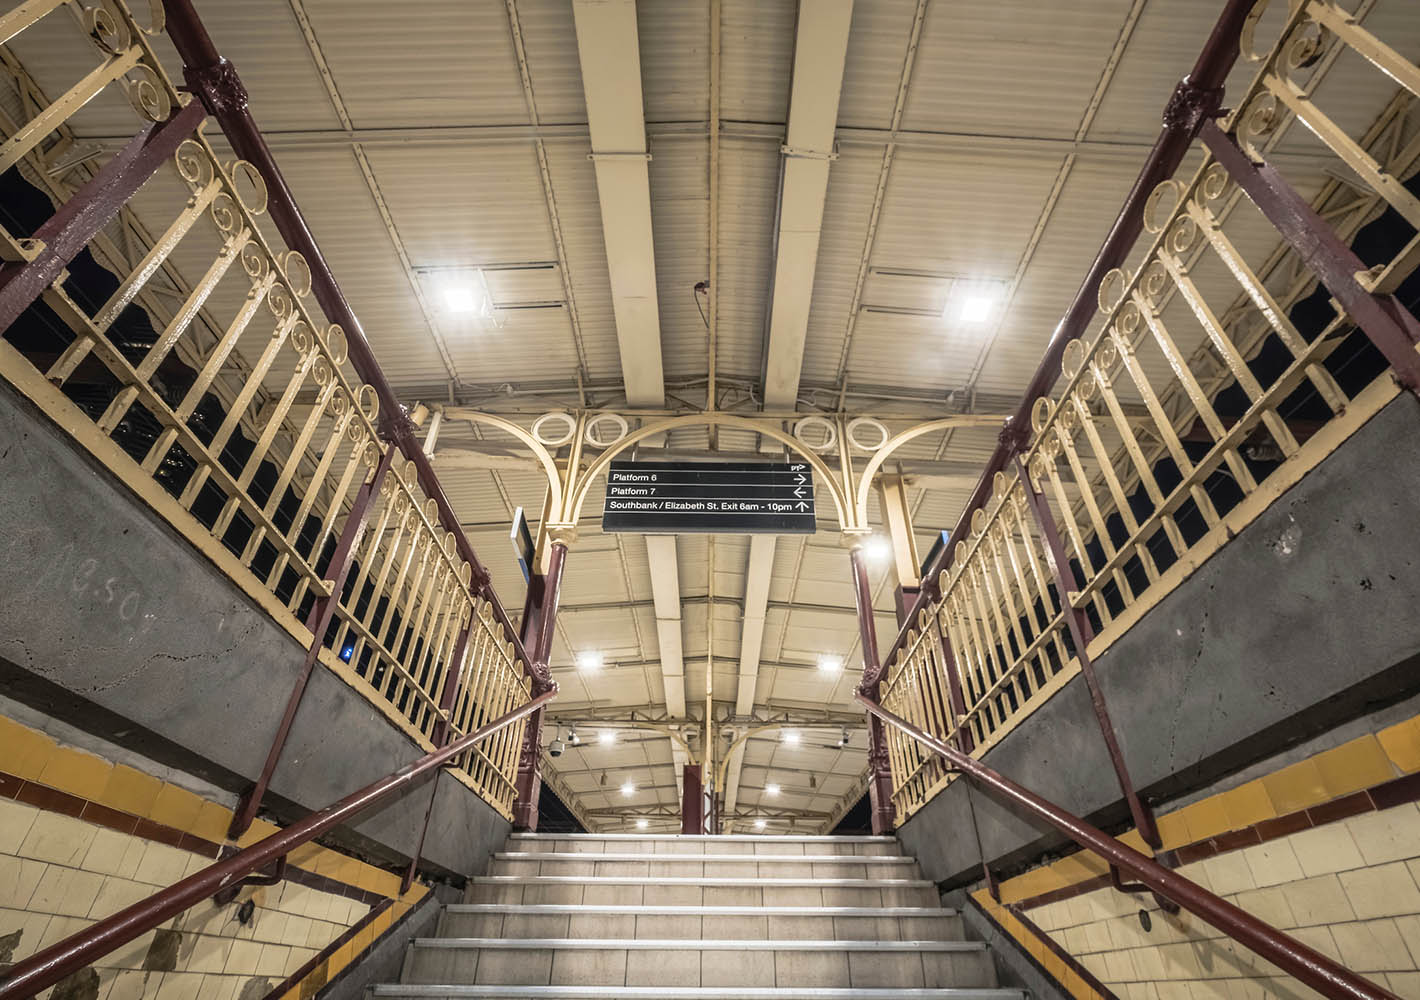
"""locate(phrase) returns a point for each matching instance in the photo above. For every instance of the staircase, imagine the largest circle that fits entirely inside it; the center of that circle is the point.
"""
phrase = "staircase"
(739, 918)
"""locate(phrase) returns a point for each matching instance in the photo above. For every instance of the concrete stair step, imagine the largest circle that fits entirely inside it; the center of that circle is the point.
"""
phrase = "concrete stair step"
(607, 843)
(902, 923)
(700, 890)
(414, 991)
(684, 963)
(650, 865)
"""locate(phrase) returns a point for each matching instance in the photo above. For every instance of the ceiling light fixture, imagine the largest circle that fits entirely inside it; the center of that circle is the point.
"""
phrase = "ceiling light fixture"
(590, 659)
(973, 302)
(877, 548)
(628, 788)
(771, 790)
(642, 823)
(791, 737)
(607, 737)
(760, 823)
(830, 664)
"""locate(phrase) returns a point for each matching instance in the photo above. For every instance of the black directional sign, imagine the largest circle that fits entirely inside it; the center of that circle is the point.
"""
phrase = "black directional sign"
(743, 498)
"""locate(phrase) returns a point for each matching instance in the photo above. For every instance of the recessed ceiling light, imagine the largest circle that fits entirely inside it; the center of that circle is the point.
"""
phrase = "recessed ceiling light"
(830, 664)
(877, 548)
(771, 790)
(791, 737)
(590, 659)
(607, 737)
(460, 298)
(628, 788)
(976, 308)
(642, 823)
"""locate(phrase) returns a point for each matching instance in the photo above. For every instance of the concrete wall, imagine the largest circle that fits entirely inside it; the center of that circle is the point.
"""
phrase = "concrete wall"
(113, 623)
(1305, 620)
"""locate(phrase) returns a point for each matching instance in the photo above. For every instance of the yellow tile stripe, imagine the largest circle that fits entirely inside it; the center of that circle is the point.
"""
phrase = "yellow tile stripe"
(352, 949)
(1360, 763)
(35, 756)
(1030, 942)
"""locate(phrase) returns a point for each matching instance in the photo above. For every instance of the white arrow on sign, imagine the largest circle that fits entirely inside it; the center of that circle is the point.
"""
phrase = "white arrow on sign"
(801, 479)
(799, 492)
(803, 506)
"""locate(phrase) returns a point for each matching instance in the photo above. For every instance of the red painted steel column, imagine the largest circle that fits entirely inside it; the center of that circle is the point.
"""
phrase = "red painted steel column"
(318, 621)
(539, 627)
(1080, 634)
(90, 208)
(692, 800)
(1382, 318)
(879, 766)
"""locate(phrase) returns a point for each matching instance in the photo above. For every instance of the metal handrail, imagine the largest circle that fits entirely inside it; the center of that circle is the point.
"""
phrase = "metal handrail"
(1193, 100)
(47, 967)
(1287, 953)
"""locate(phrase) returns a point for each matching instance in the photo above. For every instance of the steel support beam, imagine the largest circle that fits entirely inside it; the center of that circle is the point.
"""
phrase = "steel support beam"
(318, 621)
(665, 592)
(610, 54)
(820, 47)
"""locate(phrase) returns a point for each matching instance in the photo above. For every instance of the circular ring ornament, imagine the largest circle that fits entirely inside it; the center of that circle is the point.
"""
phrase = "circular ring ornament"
(874, 425)
(147, 94)
(1156, 198)
(1072, 359)
(592, 434)
(297, 271)
(552, 439)
(193, 164)
(1040, 413)
(369, 402)
(1113, 287)
(814, 421)
(249, 186)
(336, 344)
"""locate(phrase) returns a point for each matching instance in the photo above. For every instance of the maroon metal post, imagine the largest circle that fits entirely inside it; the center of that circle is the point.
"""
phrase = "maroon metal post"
(47, 967)
(318, 621)
(1196, 98)
(884, 816)
(1080, 634)
(539, 627)
(1309, 966)
(215, 80)
(447, 700)
(1382, 318)
(692, 800)
(91, 208)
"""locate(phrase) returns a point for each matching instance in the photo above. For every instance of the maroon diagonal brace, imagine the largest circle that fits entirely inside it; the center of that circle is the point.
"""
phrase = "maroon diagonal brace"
(91, 208)
(1290, 955)
(1382, 318)
(317, 621)
(1081, 633)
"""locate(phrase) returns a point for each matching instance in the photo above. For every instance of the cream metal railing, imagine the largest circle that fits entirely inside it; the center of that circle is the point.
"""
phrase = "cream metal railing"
(1153, 453)
(239, 419)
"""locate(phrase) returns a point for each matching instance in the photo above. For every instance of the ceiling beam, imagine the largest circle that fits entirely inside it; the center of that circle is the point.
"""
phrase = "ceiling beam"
(609, 50)
(665, 593)
(820, 47)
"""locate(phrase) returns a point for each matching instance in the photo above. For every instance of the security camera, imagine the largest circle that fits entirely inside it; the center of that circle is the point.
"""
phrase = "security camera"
(843, 740)
(555, 748)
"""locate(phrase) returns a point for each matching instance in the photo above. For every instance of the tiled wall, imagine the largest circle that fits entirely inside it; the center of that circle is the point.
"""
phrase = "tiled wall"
(82, 837)
(1326, 848)
(1349, 889)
